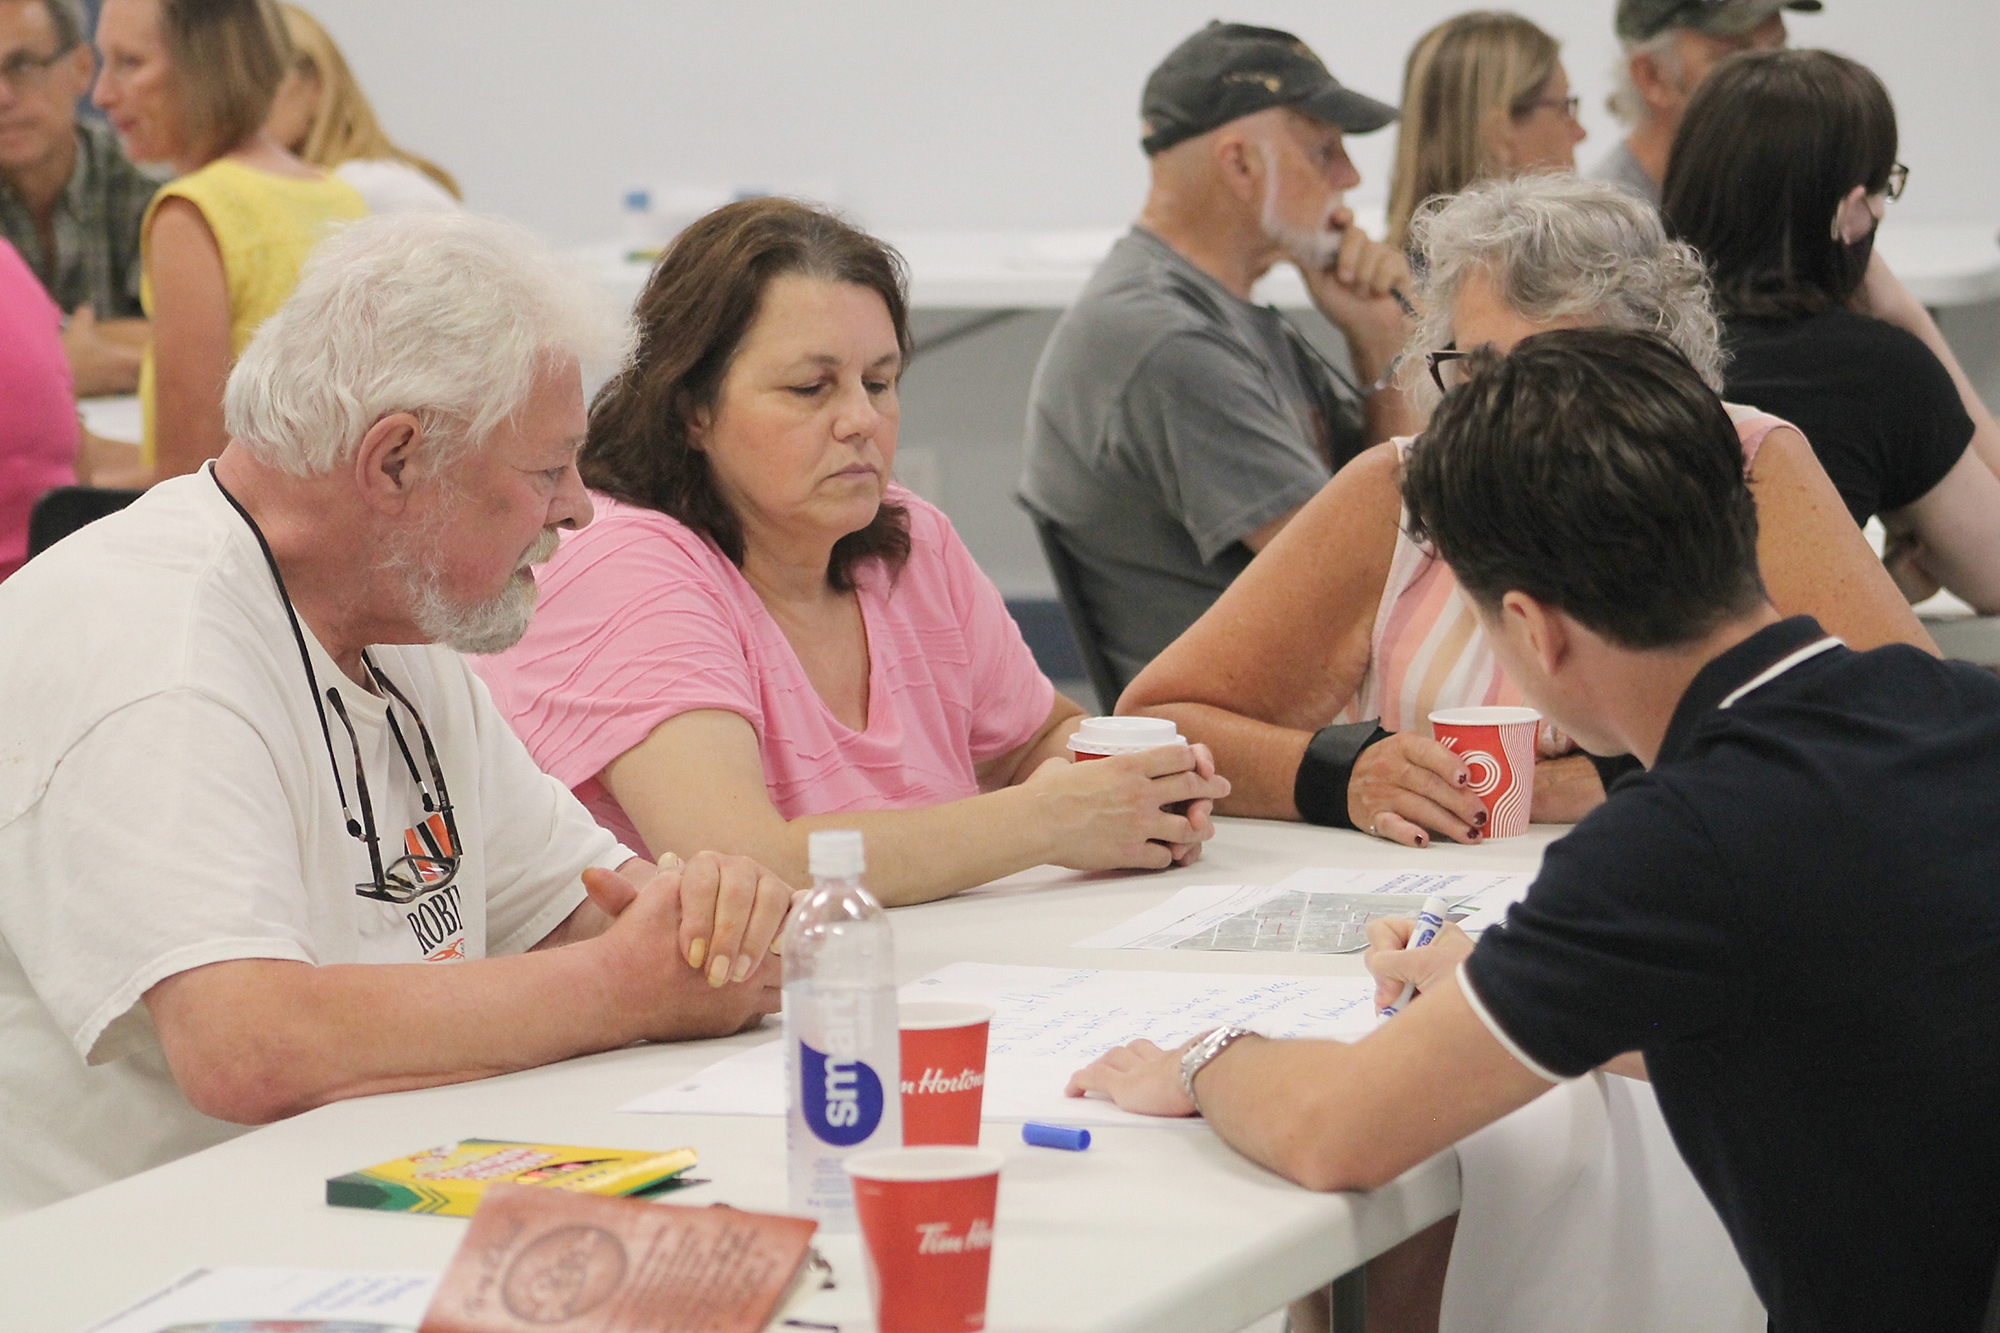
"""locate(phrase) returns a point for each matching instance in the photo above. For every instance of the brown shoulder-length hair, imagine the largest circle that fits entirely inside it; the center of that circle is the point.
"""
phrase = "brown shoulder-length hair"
(229, 56)
(697, 307)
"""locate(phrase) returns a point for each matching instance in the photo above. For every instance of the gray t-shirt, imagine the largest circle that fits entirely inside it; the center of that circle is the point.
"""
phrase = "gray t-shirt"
(1168, 420)
(1621, 167)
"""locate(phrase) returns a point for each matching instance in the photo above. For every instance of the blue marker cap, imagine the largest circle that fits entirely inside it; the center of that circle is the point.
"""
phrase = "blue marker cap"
(1055, 1136)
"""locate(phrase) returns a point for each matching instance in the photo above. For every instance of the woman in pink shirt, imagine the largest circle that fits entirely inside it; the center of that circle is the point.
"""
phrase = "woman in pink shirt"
(38, 426)
(761, 634)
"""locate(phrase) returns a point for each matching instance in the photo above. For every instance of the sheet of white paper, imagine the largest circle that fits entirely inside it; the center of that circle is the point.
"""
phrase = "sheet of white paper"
(1051, 1021)
(233, 1300)
(1195, 909)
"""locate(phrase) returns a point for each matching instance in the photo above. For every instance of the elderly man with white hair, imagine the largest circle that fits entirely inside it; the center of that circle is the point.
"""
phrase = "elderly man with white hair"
(264, 842)
(1669, 46)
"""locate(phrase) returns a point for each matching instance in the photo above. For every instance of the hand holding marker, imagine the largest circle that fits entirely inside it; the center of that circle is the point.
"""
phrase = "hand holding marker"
(1429, 922)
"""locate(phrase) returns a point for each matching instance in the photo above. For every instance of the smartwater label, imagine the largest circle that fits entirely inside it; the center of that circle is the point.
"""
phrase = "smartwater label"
(842, 1098)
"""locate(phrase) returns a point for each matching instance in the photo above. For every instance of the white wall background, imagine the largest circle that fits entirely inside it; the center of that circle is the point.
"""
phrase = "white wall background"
(941, 113)
(946, 113)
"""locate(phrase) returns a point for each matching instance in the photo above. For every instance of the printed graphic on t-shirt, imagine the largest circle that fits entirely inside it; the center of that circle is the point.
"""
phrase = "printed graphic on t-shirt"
(434, 918)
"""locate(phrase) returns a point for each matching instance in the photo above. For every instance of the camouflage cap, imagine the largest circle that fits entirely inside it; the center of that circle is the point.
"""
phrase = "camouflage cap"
(1640, 20)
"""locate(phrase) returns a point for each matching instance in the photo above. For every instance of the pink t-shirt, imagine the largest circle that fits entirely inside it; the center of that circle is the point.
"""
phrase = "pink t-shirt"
(640, 620)
(38, 426)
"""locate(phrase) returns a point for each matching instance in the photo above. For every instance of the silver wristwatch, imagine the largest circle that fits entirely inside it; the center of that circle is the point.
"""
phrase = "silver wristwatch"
(1206, 1048)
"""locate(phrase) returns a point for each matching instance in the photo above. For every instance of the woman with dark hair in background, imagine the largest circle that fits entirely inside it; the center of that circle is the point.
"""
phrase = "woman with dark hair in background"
(1780, 174)
(1485, 96)
(190, 82)
(762, 634)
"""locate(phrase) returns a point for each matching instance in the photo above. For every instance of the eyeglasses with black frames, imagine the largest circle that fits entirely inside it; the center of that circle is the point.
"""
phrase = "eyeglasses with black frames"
(1447, 367)
(26, 72)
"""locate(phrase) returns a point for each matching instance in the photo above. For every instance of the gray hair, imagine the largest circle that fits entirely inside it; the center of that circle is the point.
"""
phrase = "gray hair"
(442, 314)
(1626, 101)
(66, 17)
(1555, 247)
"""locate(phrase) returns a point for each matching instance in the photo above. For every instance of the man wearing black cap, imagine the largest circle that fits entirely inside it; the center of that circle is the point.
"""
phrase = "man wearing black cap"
(1174, 425)
(1670, 45)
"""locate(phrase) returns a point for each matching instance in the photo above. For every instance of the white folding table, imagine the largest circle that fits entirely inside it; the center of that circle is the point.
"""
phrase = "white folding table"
(1163, 1229)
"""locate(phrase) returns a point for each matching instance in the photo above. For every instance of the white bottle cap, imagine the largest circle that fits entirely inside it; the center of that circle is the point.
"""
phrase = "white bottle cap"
(835, 854)
(1123, 735)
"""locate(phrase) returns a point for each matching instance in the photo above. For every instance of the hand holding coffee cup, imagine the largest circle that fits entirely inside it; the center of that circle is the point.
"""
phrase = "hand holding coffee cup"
(1138, 797)
(1409, 788)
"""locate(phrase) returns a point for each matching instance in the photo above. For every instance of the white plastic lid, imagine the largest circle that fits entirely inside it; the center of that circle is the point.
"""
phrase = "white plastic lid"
(835, 853)
(1124, 735)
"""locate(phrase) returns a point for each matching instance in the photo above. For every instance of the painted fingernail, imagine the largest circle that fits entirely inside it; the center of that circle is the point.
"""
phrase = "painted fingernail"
(1480, 819)
(1474, 834)
(718, 970)
(1465, 779)
(742, 968)
(696, 952)
(1423, 840)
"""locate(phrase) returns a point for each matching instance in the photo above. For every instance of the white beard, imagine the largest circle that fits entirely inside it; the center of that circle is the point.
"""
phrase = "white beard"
(484, 627)
(1313, 251)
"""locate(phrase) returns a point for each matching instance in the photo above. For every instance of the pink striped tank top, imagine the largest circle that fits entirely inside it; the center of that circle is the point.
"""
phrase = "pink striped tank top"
(1428, 652)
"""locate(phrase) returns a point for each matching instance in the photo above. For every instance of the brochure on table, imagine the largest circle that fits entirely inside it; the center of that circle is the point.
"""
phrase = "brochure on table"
(1051, 1021)
(1318, 910)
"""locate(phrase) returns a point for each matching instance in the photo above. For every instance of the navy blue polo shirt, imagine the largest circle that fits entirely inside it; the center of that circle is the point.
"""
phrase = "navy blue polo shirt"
(1795, 915)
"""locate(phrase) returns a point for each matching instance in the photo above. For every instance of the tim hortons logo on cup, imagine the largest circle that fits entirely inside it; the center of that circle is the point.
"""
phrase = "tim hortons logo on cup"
(936, 1080)
(936, 1237)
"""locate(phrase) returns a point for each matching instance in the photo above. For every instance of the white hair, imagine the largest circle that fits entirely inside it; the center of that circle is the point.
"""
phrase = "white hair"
(1560, 246)
(442, 314)
(1626, 101)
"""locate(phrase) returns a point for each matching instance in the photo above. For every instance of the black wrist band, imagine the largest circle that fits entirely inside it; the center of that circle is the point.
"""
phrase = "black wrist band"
(1609, 770)
(1320, 789)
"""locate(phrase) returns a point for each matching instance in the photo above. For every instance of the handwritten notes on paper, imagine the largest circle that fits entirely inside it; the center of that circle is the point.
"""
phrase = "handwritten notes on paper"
(388, 1300)
(1050, 1021)
(1320, 910)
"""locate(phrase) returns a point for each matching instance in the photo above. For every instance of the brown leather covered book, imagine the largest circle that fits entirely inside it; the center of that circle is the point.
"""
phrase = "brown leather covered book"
(545, 1261)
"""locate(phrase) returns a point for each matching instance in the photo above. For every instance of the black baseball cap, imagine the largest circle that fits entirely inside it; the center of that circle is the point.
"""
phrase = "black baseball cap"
(1228, 70)
(1641, 20)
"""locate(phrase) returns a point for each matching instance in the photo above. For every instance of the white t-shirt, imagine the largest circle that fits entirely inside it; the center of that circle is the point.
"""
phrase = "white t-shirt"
(166, 801)
(389, 186)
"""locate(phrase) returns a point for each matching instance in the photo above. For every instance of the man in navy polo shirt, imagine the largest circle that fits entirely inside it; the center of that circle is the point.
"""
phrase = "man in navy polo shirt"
(1791, 920)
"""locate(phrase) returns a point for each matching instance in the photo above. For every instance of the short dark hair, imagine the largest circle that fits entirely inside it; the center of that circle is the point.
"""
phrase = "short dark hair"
(698, 305)
(1593, 470)
(1770, 144)
(229, 56)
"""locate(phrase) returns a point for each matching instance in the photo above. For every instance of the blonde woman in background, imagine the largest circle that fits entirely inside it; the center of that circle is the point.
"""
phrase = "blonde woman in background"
(1484, 96)
(322, 115)
(189, 83)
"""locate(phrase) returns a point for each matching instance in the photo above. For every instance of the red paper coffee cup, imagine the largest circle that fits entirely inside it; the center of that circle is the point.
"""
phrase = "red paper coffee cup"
(927, 1226)
(944, 1071)
(1498, 747)
(1102, 737)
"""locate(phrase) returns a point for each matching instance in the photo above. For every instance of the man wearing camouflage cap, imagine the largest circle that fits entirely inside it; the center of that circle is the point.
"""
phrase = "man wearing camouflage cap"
(1175, 425)
(1670, 45)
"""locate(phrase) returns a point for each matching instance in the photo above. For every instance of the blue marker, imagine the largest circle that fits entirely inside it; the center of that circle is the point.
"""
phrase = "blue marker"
(1429, 922)
(1055, 1136)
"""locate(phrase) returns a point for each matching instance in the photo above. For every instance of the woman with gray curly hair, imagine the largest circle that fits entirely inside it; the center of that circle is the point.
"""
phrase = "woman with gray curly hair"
(1344, 626)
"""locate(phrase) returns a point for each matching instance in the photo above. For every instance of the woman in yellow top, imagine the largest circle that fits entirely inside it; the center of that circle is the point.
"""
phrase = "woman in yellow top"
(189, 82)
(1485, 97)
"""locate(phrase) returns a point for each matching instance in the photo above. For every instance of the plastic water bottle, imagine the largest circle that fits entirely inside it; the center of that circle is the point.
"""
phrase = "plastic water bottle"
(639, 231)
(842, 1068)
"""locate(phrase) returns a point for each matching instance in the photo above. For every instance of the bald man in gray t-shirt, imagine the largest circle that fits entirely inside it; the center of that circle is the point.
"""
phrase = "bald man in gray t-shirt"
(1168, 421)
